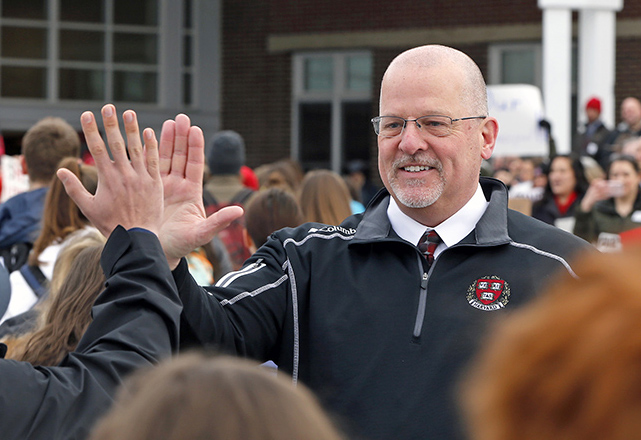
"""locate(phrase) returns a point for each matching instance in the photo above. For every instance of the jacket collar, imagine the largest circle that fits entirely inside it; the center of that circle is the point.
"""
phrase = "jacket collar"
(491, 229)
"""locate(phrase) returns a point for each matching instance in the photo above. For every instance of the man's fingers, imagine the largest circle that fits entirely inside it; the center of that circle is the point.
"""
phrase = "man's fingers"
(222, 218)
(181, 136)
(134, 146)
(151, 152)
(95, 143)
(129, 193)
(205, 231)
(166, 146)
(81, 197)
(195, 155)
(114, 137)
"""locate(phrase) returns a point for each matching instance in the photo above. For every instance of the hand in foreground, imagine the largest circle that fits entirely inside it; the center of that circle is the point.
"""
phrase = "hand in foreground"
(129, 189)
(185, 225)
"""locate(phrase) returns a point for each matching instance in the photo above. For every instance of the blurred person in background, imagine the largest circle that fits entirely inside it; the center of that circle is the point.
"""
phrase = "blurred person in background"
(541, 176)
(31, 319)
(268, 211)
(44, 145)
(60, 218)
(68, 313)
(630, 126)
(591, 169)
(592, 136)
(565, 189)
(525, 187)
(224, 187)
(324, 197)
(504, 175)
(357, 176)
(611, 206)
(225, 158)
(513, 164)
(285, 174)
(632, 147)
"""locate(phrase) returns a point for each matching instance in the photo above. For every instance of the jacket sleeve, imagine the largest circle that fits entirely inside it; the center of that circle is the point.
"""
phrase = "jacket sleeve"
(244, 313)
(135, 323)
(20, 217)
(17, 229)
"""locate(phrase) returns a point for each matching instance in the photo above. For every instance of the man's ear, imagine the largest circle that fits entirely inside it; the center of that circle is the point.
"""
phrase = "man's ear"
(24, 164)
(489, 132)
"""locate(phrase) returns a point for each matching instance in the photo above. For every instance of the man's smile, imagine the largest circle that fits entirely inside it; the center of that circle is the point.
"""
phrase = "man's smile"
(416, 168)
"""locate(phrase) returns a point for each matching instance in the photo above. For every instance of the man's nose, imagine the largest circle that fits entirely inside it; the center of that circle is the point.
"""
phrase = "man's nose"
(412, 138)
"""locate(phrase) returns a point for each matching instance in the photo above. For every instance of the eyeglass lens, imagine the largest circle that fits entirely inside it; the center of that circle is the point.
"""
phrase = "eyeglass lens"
(390, 126)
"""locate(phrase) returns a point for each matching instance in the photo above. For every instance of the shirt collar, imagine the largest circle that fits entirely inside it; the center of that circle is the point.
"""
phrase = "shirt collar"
(451, 231)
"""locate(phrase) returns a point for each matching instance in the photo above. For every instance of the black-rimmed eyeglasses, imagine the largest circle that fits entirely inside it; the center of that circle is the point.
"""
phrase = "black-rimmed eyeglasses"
(436, 125)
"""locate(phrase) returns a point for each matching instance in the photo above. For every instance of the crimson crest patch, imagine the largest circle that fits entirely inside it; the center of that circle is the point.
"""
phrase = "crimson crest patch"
(489, 293)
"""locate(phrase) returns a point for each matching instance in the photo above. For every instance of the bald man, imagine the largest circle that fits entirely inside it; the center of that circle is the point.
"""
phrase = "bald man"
(379, 315)
(629, 127)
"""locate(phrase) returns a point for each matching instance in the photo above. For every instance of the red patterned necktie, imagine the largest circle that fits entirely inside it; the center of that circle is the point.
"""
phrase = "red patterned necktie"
(427, 245)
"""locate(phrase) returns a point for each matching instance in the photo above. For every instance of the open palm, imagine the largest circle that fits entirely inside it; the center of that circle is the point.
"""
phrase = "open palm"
(185, 225)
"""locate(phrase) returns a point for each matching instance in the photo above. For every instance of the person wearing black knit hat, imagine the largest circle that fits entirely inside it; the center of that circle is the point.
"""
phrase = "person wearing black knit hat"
(225, 158)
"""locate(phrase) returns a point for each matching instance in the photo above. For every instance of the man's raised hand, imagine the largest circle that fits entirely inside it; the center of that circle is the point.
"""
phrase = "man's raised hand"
(185, 225)
(129, 189)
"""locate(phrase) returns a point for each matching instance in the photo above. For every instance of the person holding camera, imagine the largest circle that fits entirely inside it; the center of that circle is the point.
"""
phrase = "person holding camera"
(611, 206)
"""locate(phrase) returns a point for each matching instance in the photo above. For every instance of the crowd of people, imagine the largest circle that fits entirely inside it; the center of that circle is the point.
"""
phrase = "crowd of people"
(593, 191)
(425, 308)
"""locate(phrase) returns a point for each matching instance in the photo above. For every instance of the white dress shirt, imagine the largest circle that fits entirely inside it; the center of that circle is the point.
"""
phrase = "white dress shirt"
(451, 231)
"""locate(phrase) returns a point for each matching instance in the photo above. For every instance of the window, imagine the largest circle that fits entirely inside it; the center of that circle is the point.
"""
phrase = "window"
(516, 64)
(79, 50)
(522, 64)
(188, 50)
(332, 108)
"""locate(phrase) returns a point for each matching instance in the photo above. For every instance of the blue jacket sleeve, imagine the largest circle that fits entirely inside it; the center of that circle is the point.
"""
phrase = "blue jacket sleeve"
(135, 323)
(20, 217)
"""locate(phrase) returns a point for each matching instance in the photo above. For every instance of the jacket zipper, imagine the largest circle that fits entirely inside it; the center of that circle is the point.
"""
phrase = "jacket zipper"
(422, 301)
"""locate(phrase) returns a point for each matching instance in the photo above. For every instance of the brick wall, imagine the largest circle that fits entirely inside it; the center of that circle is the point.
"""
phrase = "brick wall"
(330, 15)
(628, 74)
(257, 89)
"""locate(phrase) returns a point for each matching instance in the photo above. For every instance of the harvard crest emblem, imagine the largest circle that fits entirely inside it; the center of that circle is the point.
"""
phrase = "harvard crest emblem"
(489, 293)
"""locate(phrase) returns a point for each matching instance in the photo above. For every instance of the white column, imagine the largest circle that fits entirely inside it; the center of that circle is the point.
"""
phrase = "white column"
(557, 74)
(596, 74)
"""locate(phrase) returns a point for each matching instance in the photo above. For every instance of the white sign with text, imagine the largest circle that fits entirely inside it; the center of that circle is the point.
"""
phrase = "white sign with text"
(519, 109)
